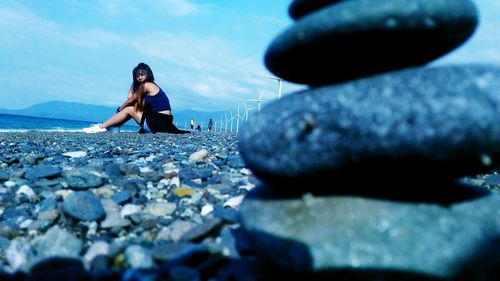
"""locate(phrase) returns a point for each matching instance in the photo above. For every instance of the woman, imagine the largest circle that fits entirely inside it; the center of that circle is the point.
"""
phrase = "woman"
(146, 103)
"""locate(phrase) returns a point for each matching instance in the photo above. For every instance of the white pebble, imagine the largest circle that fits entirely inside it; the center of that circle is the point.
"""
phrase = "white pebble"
(130, 209)
(9, 183)
(145, 170)
(175, 181)
(234, 202)
(198, 155)
(75, 154)
(97, 248)
(25, 224)
(207, 209)
(245, 171)
(28, 192)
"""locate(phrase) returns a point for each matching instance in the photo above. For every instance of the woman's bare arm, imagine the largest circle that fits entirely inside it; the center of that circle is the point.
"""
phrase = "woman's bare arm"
(131, 100)
(151, 88)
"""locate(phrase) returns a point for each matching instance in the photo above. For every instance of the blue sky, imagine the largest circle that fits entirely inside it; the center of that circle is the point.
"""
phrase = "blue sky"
(207, 55)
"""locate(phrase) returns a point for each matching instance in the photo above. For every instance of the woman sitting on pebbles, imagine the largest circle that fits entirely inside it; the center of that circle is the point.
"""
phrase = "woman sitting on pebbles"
(147, 103)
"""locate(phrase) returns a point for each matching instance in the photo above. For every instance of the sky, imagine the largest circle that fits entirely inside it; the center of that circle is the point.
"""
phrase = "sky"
(206, 54)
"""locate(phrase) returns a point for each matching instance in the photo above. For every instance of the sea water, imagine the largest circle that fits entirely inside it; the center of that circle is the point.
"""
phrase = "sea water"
(20, 123)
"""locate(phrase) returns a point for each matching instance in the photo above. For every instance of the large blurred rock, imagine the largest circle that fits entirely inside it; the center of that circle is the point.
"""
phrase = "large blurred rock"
(353, 39)
(351, 236)
(300, 8)
(417, 124)
(42, 171)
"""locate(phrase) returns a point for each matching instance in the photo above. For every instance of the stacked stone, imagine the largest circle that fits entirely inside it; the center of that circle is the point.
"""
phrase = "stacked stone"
(364, 172)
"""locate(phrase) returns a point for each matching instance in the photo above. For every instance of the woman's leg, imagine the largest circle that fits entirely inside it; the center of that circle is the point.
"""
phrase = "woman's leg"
(123, 116)
(123, 122)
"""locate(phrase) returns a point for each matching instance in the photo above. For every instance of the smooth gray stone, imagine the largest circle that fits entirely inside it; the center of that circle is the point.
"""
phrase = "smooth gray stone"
(4, 175)
(345, 236)
(139, 257)
(171, 251)
(4, 245)
(42, 171)
(57, 242)
(121, 197)
(84, 178)
(202, 231)
(354, 39)
(14, 216)
(429, 123)
(83, 205)
(300, 8)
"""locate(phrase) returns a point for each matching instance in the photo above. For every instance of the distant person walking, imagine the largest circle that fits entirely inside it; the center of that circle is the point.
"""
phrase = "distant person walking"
(198, 128)
(192, 123)
(147, 104)
(210, 124)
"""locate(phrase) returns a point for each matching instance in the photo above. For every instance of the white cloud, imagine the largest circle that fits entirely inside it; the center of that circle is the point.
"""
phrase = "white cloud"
(20, 25)
(114, 8)
(195, 67)
(93, 38)
(204, 66)
(184, 50)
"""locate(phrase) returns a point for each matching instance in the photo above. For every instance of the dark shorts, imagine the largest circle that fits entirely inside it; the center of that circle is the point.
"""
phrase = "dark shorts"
(159, 123)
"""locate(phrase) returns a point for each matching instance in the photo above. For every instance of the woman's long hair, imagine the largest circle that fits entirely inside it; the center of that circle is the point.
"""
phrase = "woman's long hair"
(137, 88)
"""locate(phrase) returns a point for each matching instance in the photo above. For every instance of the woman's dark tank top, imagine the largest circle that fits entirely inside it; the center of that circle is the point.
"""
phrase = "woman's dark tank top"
(158, 102)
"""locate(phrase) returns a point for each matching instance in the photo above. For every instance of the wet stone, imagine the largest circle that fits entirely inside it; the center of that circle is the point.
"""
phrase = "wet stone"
(138, 257)
(130, 169)
(57, 242)
(13, 217)
(121, 197)
(4, 245)
(9, 159)
(188, 174)
(170, 251)
(201, 231)
(83, 205)
(47, 204)
(4, 175)
(8, 231)
(6, 198)
(113, 171)
(42, 171)
(83, 178)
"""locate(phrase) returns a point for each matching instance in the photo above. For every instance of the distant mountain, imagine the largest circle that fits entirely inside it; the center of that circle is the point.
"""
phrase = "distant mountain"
(98, 113)
(65, 110)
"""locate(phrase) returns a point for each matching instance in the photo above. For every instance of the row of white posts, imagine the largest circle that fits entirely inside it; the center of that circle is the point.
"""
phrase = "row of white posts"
(227, 123)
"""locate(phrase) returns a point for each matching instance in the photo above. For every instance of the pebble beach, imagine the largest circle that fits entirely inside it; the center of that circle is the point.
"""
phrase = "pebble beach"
(123, 206)
(126, 206)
